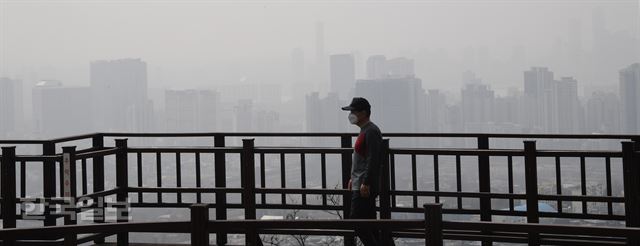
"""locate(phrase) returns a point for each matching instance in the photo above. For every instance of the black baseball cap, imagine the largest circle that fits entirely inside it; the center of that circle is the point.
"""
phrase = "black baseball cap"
(358, 104)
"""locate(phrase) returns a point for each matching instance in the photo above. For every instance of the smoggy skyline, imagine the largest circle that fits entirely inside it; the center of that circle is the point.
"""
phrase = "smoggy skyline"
(202, 44)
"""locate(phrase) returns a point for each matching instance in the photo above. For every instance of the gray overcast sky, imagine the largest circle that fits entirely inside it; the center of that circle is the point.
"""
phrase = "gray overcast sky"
(204, 42)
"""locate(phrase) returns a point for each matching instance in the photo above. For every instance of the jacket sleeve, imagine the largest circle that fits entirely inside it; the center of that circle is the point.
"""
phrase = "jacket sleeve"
(373, 142)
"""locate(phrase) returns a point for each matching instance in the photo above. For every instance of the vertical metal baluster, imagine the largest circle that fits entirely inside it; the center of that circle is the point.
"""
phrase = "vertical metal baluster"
(558, 182)
(178, 177)
(323, 167)
(159, 174)
(23, 179)
(608, 177)
(303, 177)
(510, 180)
(198, 178)
(283, 177)
(414, 180)
(392, 170)
(436, 177)
(83, 172)
(139, 166)
(458, 181)
(263, 183)
(583, 183)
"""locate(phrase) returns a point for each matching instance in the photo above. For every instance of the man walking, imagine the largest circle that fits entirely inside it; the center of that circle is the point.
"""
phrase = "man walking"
(365, 178)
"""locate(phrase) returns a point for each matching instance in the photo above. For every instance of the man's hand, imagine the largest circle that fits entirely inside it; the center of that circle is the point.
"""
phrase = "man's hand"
(364, 190)
(349, 185)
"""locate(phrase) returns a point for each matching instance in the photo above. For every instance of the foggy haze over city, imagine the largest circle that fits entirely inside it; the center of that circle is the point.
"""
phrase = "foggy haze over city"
(288, 49)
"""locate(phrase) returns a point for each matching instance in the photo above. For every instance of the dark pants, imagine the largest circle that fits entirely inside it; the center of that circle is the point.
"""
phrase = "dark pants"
(364, 208)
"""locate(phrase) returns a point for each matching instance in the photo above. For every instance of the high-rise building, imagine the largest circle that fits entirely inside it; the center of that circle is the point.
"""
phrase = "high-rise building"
(244, 115)
(537, 80)
(324, 114)
(268, 94)
(477, 106)
(508, 110)
(397, 103)
(603, 113)
(568, 107)
(191, 110)
(541, 100)
(436, 110)
(343, 74)
(7, 107)
(630, 98)
(379, 67)
(60, 110)
(267, 121)
(376, 67)
(400, 67)
(181, 110)
(300, 83)
(209, 108)
(11, 111)
(119, 94)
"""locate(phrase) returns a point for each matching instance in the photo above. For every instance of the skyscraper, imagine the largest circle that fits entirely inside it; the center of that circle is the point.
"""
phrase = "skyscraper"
(436, 110)
(397, 104)
(603, 113)
(10, 105)
(630, 98)
(568, 106)
(477, 106)
(376, 67)
(300, 83)
(267, 121)
(244, 115)
(323, 114)
(119, 94)
(540, 100)
(400, 67)
(60, 110)
(343, 74)
(379, 67)
(191, 110)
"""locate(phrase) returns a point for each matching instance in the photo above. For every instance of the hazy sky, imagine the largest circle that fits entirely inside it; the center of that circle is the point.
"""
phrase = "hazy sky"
(197, 43)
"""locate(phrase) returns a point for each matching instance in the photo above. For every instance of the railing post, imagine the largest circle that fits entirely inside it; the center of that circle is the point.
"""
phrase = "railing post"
(252, 236)
(385, 198)
(247, 173)
(69, 190)
(484, 180)
(98, 181)
(122, 180)
(8, 174)
(199, 223)
(220, 182)
(49, 182)
(531, 183)
(433, 224)
(345, 142)
(631, 188)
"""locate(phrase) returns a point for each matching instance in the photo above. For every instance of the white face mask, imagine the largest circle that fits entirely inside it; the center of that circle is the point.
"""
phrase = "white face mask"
(353, 118)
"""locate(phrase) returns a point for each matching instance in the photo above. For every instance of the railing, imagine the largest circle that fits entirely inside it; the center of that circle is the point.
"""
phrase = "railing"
(433, 229)
(252, 164)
